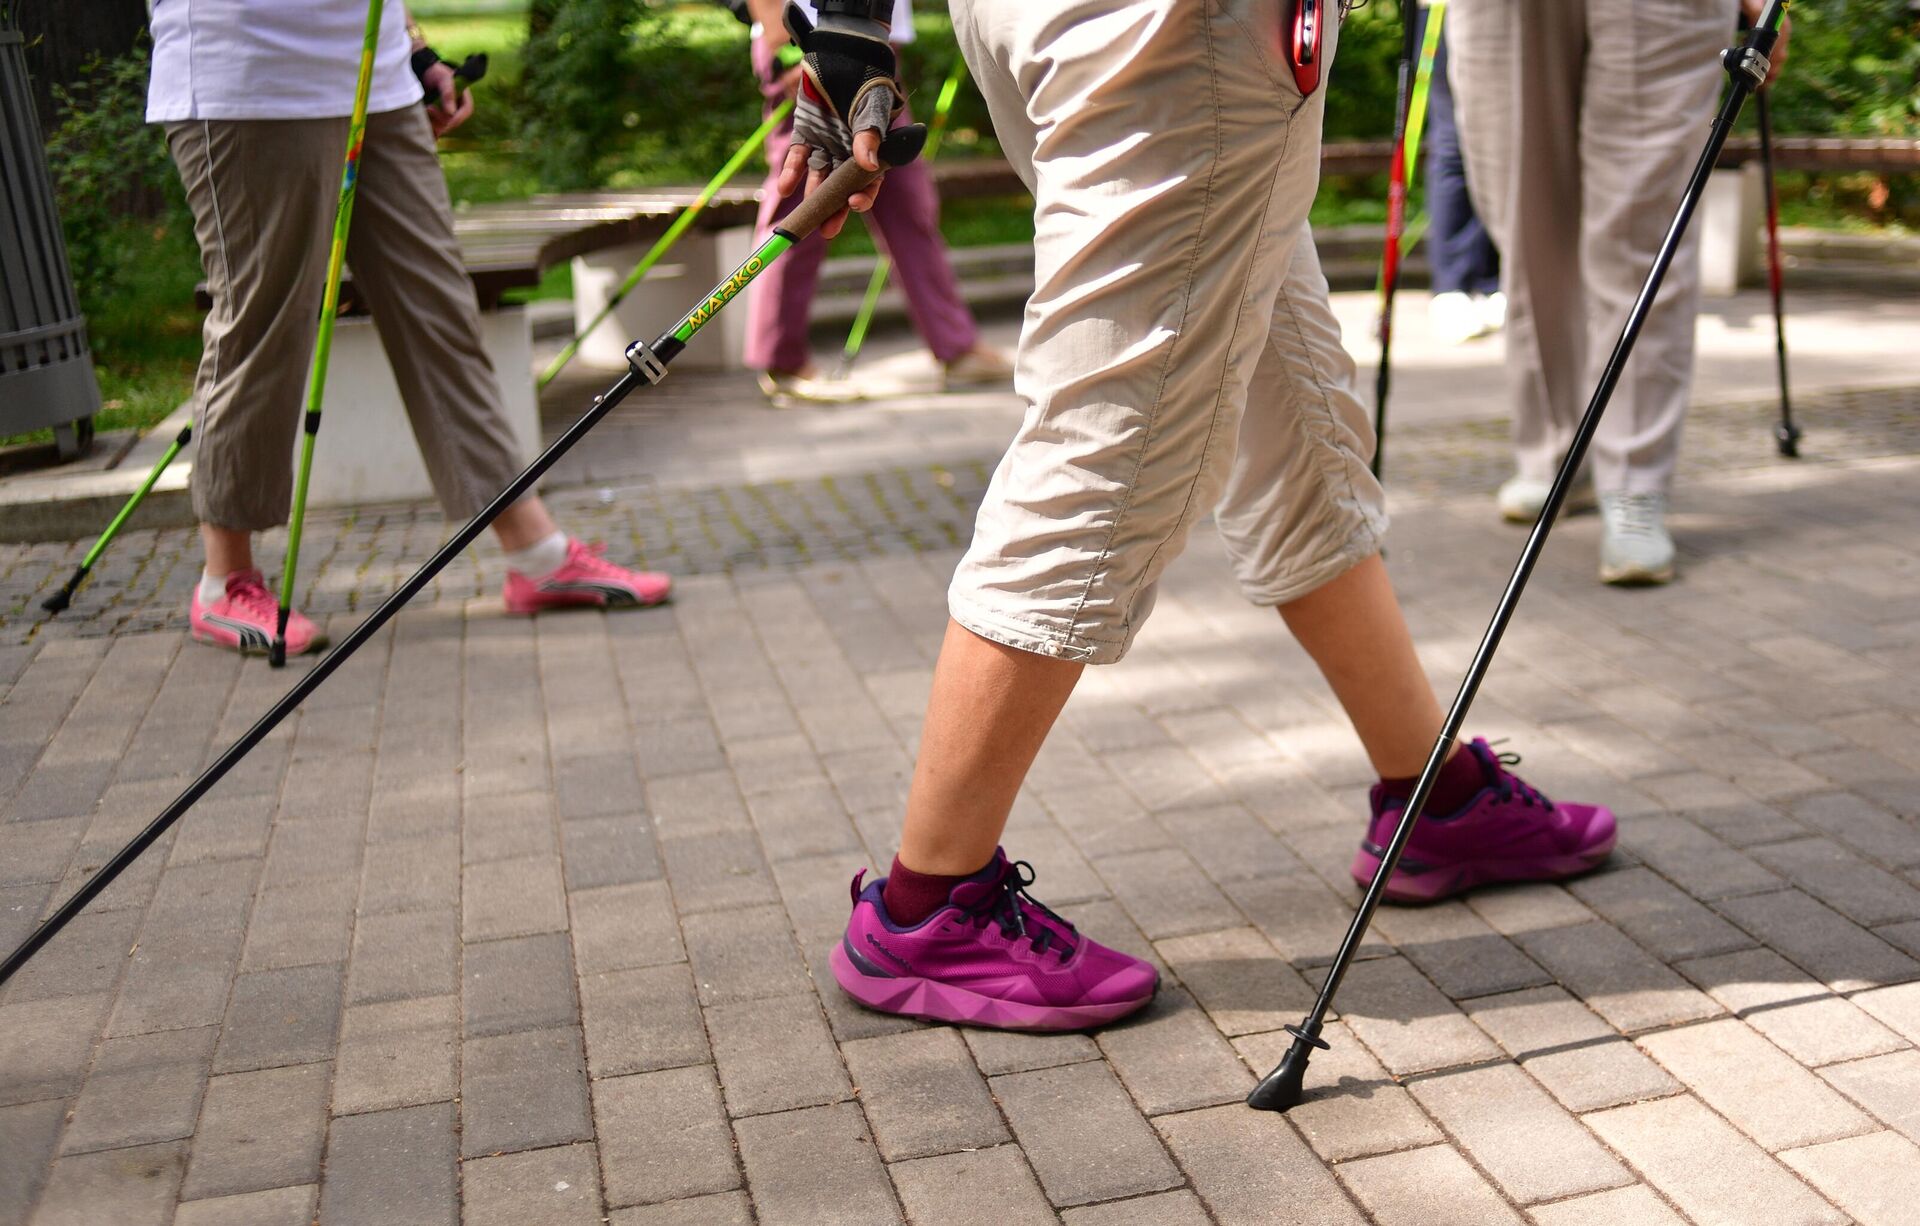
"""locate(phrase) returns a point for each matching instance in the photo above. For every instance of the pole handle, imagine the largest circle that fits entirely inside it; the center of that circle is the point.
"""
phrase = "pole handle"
(897, 148)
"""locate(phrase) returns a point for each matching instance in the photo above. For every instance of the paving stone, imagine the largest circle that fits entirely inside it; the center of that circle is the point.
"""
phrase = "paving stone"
(259, 1130)
(743, 955)
(1898, 1007)
(523, 1091)
(640, 1020)
(1828, 946)
(984, 1185)
(923, 1095)
(1888, 1086)
(1432, 1186)
(1636, 1205)
(623, 926)
(1011, 1051)
(1405, 1021)
(306, 924)
(1876, 1178)
(1581, 1060)
(1616, 978)
(1531, 1147)
(392, 1166)
(507, 827)
(1352, 1108)
(559, 1186)
(312, 849)
(1866, 827)
(663, 1136)
(1229, 843)
(525, 983)
(1715, 1175)
(1512, 910)
(1170, 1057)
(404, 956)
(28, 1134)
(722, 1209)
(127, 1187)
(176, 983)
(815, 1167)
(417, 874)
(1694, 860)
(1458, 951)
(1083, 1135)
(1167, 894)
(775, 1055)
(273, 1207)
(142, 1089)
(609, 851)
(805, 819)
(397, 1054)
(1302, 917)
(1659, 917)
(696, 805)
(46, 1045)
(715, 872)
(1798, 1014)
(1864, 893)
(280, 1017)
(1238, 978)
(511, 898)
(1177, 1208)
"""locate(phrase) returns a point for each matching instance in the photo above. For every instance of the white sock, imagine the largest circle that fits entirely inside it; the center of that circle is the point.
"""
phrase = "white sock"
(212, 587)
(541, 558)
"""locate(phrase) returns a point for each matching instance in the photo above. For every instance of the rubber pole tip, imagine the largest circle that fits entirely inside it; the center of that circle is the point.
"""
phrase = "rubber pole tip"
(1788, 438)
(902, 145)
(277, 654)
(58, 602)
(1285, 1086)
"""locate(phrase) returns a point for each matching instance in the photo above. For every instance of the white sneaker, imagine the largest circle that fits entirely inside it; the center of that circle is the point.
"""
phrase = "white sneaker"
(1493, 312)
(978, 367)
(1634, 545)
(787, 389)
(1521, 499)
(1455, 318)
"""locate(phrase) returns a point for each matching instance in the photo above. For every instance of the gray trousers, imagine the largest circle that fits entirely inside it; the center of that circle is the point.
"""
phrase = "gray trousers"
(263, 195)
(1580, 120)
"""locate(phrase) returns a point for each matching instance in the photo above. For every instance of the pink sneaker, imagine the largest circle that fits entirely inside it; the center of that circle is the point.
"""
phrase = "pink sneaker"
(991, 957)
(1509, 832)
(586, 578)
(244, 618)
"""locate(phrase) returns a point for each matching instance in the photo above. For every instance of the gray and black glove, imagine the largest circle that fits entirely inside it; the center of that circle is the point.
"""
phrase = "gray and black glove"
(847, 84)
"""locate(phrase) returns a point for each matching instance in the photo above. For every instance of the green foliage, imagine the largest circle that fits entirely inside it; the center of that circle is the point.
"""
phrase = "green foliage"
(107, 164)
(583, 68)
(1853, 68)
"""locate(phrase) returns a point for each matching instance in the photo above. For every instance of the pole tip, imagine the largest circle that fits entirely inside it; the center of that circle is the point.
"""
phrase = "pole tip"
(1788, 440)
(277, 653)
(57, 602)
(1285, 1086)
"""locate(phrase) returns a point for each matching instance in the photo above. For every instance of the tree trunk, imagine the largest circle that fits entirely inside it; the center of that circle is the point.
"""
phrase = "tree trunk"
(64, 35)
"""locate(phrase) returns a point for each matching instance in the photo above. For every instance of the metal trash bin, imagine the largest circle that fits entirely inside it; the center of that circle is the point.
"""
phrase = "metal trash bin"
(46, 365)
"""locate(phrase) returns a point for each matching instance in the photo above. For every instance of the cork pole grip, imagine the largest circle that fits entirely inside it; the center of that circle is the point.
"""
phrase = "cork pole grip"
(899, 147)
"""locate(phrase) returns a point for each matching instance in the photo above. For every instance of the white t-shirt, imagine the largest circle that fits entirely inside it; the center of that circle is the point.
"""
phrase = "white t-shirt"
(273, 59)
(902, 19)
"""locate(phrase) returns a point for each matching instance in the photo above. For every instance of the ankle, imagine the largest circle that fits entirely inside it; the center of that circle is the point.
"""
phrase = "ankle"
(910, 897)
(1461, 779)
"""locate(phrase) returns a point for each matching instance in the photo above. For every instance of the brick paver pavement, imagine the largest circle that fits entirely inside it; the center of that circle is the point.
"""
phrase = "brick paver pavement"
(524, 921)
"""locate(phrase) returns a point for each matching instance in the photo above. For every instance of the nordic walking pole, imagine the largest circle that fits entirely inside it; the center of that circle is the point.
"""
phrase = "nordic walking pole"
(1786, 435)
(647, 364)
(323, 340)
(1410, 114)
(64, 597)
(1747, 69)
(857, 335)
(666, 241)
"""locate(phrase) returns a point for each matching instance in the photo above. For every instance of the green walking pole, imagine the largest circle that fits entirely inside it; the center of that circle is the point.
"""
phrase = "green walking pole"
(64, 597)
(323, 341)
(1412, 113)
(666, 241)
(858, 335)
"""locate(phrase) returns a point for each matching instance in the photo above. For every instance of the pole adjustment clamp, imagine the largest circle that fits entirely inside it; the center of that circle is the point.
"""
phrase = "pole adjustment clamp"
(645, 362)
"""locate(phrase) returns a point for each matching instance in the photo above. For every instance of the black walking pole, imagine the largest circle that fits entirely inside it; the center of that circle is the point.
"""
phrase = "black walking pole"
(1747, 67)
(647, 365)
(1786, 435)
(1397, 175)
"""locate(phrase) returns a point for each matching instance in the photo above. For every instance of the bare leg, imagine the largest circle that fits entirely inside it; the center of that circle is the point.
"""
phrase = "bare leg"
(228, 549)
(1353, 629)
(524, 524)
(990, 710)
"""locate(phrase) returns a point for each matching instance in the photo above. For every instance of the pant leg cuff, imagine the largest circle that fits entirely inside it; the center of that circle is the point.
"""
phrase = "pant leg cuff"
(1025, 635)
(1367, 540)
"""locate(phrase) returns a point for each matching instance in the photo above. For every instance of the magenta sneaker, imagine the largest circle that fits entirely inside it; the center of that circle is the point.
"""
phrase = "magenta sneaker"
(1509, 832)
(243, 619)
(992, 956)
(586, 578)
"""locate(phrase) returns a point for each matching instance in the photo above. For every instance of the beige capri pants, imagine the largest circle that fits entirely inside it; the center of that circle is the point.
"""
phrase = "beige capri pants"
(263, 194)
(1178, 352)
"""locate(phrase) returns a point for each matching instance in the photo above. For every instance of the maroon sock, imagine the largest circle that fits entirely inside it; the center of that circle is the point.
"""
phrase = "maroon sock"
(1460, 781)
(911, 897)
